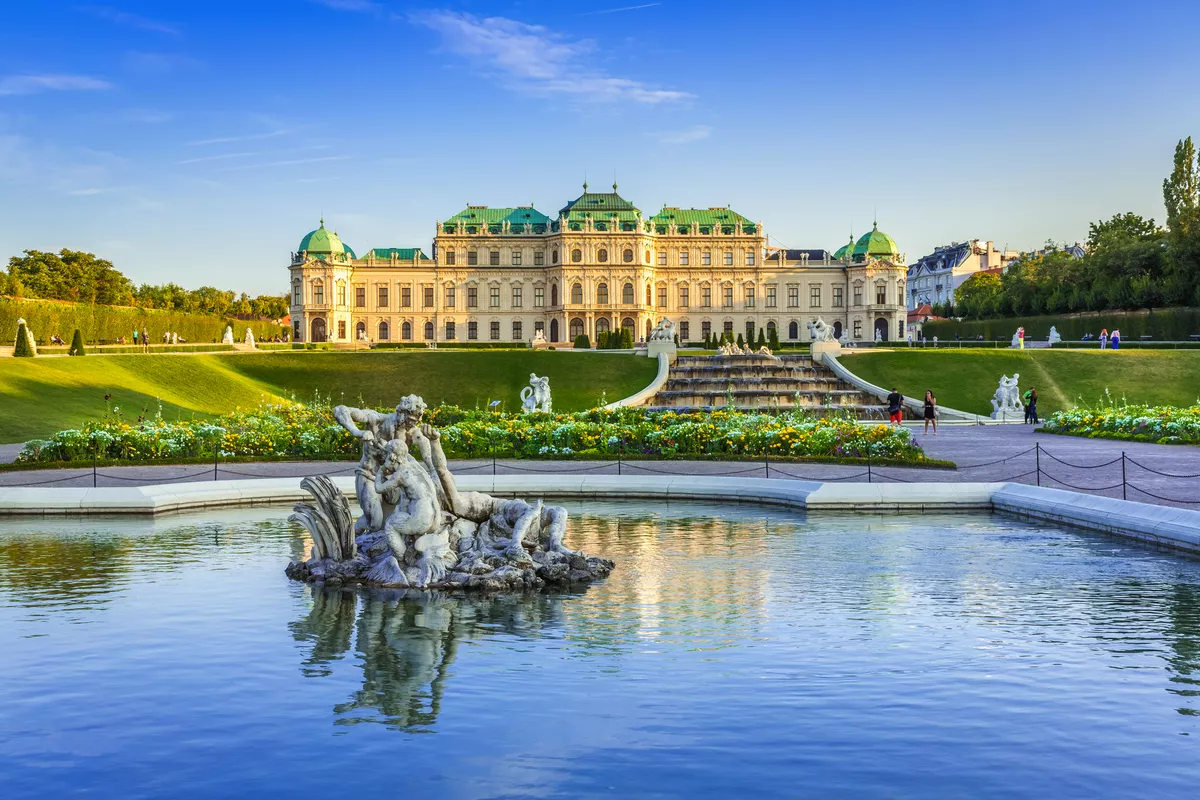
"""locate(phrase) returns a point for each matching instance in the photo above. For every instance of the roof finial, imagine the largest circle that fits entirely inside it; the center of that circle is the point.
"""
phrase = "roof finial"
(614, 181)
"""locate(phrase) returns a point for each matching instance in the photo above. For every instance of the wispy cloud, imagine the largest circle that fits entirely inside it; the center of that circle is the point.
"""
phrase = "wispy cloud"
(32, 84)
(692, 134)
(158, 63)
(286, 163)
(535, 59)
(618, 10)
(130, 20)
(221, 157)
(248, 138)
(365, 6)
(228, 156)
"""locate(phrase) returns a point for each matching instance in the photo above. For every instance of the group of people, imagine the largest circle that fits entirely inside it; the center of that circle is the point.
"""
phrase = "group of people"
(1105, 338)
(895, 402)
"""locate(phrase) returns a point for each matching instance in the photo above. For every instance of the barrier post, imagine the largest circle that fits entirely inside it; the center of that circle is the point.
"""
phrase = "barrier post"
(216, 455)
(95, 457)
(618, 463)
(868, 468)
(1037, 455)
(766, 466)
(1124, 494)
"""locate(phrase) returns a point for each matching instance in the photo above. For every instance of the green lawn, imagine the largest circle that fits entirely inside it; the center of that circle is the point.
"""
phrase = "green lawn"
(39, 396)
(967, 379)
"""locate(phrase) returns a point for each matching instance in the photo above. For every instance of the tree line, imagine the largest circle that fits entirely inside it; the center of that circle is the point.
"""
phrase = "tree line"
(1130, 263)
(80, 277)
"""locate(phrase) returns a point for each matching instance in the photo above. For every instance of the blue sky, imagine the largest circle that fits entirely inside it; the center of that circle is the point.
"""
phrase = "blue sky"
(196, 142)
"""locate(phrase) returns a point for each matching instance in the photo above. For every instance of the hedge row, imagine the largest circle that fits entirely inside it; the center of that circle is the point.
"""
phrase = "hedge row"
(161, 348)
(453, 346)
(1165, 325)
(95, 322)
(1127, 345)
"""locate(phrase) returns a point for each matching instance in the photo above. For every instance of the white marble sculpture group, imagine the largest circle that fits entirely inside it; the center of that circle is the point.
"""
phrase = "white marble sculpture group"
(664, 331)
(731, 349)
(228, 337)
(819, 331)
(1055, 338)
(417, 529)
(1007, 399)
(536, 396)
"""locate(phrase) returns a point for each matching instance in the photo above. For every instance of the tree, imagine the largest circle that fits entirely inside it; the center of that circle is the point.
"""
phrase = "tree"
(23, 347)
(741, 342)
(77, 345)
(71, 275)
(772, 338)
(762, 338)
(1121, 230)
(582, 342)
(979, 295)
(1181, 195)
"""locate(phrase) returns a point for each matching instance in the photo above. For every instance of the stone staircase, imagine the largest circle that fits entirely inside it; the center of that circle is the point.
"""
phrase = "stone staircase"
(761, 383)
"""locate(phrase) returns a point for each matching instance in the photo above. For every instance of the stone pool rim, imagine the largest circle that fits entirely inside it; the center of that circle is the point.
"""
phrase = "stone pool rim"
(1166, 526)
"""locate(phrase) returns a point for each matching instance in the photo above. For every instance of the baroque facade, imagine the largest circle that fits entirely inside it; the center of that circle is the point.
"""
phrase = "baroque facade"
(934, 278)
(502, 274)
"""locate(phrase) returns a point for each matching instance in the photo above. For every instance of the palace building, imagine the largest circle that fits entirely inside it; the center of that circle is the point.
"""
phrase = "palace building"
(502, 274)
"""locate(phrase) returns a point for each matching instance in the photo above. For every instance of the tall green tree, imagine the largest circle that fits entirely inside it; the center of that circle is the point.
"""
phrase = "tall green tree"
(1181, 196)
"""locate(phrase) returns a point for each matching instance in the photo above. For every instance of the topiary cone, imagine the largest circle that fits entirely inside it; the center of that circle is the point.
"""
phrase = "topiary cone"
(22, 347)
(77, 345)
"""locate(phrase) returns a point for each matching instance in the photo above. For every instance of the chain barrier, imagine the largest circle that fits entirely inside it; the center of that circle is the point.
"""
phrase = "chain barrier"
(1050, 477)
(727, 474)
(174, 479)
(1137, 488)
(562, 469)
(43, 483)
(1160, 472)
(819, 479)
(1082, 466)
(997, 461)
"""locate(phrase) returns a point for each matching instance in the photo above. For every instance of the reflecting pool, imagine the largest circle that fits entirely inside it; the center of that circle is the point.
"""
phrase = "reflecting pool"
(734, 652)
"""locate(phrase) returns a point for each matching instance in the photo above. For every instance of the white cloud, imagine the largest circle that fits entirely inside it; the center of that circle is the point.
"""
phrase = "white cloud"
(250, 138)
(32, 84)
(618, 10)
(287, 163)
(535, 59)
(131, 20)
(692, 134)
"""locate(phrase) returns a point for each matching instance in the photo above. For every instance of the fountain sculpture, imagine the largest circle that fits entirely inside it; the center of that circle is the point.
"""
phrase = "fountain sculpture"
(1007, 399)
(418, 530)
(536, 396)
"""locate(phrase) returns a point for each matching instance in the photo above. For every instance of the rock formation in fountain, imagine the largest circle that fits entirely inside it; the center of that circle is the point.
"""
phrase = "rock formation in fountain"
(418, 530)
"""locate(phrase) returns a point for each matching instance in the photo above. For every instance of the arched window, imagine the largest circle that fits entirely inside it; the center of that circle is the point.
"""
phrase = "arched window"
(576, 255)
(647, 256)
(360, 331)
(554, 256)
(793, 330)
(554, 330)
(576, 327)
(649, 328)
(406, 331)
(577, 294)
(627, 294)
(383, 331)
(649, 295)
(429, 331)
(602, 325)
(602, 294)
(771, 329)
(627, 323)
(627, 256)
(554, 294)
(602, 256)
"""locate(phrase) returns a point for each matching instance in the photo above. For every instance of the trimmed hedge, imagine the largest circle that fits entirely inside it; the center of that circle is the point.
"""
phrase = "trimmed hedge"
(468, 345)
(77, 348)
(96, 322)
(1166, 325)
(1125, 345)
(21, 348)
(162, 348)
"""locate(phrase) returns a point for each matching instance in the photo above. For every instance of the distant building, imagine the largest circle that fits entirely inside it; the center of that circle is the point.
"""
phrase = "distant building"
(933, 279)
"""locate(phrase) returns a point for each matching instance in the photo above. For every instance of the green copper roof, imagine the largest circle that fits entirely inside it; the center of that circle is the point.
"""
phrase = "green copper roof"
(599, 204)
(700, 220)
(876, 244)
(844, 252)
(401, 253)
(323, 242)
(494, 218)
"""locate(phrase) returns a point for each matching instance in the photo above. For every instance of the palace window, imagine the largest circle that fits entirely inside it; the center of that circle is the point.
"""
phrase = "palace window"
(494, 297)
(880, 294)
(517, 335)
(727, 327)
(837, 297)
(749, 258)
(749, 297)
(428, 296)
(539, 327)
(494, 330)
(771, 329)
(728, 259)
(706, 297)
(576, 255)
(662, 258)
(342, 329)
(602, 255)
(705, 259)
(793, 329)
(406, 331)
(602, 294)
(406, 297)
(539, 296)
(683, 258)
(771, 296)
(494, 258)
(814, 297)
(383, 298)
(662, 297)
(554, 294)
(384, 331)
(450, 257)
(705, 329)
(472, 330)
(576, 327)
(318, 293)
(341, 293)
(648, 298)
(450, 331)
(793, 296)
(472, 258)
(627, 294)
(683, 296)
(516, 258)
(647, 256)
(429, 331)
(539, 258)
(749, 331)
(360, 297)
(684, 331)
(296, 293)
(627, 256)
(858, 296)
(472, 297)
(553, 256)
(858, 329)
(516, 297)
(450, 297)
(577, 294)
(727, 296)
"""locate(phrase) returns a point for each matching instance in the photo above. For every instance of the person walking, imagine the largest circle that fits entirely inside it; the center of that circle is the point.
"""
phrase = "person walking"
(135, 335)
(1030, 398)
(145, 340)
(1116, 339)
(930, 411)
(895, 402)
(1103, 338)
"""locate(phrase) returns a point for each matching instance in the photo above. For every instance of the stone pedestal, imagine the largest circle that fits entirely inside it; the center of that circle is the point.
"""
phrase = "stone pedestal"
(654, 347)
(819, 349)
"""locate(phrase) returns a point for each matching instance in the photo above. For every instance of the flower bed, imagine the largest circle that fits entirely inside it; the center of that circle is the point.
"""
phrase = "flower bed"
(296, 431)
(1161, 424)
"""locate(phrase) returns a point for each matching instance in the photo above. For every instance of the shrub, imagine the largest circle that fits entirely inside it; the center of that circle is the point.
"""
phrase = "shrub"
(77, 345)
(582, 342)
(23, 347)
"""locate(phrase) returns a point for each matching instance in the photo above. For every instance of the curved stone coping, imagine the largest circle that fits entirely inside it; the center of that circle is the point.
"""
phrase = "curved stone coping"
(660, 380)
(912, 404)
(1172, 527)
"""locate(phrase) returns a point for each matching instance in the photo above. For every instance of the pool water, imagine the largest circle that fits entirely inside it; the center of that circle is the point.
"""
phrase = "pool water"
(734, 652)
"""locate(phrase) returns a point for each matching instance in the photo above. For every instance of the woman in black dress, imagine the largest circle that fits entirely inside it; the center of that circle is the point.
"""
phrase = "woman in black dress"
(930, 411)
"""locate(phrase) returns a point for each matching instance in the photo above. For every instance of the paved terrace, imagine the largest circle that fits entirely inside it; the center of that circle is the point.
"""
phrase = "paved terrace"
(1158, 474)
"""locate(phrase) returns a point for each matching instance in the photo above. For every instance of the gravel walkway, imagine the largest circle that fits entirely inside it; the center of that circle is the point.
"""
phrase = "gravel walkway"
(993, 453)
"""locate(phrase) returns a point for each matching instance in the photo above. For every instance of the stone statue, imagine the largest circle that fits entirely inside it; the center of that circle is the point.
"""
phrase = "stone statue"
(1054, 337)
(29, 338)
(174, 337)
(250, 338)
(878, 336)
(539, 338)
(536, 396)
(820, 332)
(418, 530)
(664, 331)
(228, 337)
(1007, 398)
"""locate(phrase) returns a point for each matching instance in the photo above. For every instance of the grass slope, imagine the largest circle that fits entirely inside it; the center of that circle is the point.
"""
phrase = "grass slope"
(967, 379)
(39, 396)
